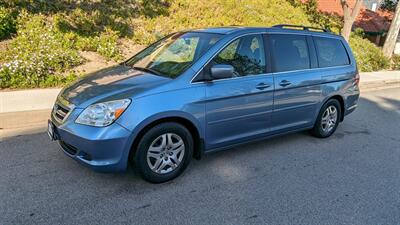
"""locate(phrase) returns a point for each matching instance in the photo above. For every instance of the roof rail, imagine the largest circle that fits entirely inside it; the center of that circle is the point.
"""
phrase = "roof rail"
(303, 27)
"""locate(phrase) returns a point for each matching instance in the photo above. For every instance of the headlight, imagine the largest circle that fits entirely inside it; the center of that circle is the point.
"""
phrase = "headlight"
(103, 114)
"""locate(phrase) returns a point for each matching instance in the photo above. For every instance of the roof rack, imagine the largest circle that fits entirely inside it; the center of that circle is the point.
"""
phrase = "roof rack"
(303, 27)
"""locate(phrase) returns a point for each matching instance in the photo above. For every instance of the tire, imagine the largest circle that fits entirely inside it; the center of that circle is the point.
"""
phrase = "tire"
(164, 152)
(323, 126)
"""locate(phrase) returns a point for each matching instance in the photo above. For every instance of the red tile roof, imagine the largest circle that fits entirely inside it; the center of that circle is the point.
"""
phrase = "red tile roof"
(368, 20)
(334, 6)
(371, 21)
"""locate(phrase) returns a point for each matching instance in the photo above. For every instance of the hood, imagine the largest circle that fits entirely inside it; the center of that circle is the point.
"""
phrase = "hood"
(111, 83)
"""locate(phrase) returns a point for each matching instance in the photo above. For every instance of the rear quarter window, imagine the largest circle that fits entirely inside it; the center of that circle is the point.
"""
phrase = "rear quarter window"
(331, 52)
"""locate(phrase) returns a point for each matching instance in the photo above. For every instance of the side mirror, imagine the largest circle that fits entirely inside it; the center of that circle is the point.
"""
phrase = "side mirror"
(222, 71)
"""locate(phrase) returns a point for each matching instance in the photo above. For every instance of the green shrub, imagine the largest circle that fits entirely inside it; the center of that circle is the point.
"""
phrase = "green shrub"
(188, 14)
(7, 23)
(369, 57)
(87, 43)
(37, 56)
(78, 21)
(107, 45)
(358, 32)
(396, 62)
(84, 33)
(92, 22)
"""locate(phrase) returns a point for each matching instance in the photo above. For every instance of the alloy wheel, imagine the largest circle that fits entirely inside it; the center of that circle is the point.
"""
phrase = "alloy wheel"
(165, 153)
(329, 119)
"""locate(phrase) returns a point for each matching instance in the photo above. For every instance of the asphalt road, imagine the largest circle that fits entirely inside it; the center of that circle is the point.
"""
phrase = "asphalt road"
(351, 178)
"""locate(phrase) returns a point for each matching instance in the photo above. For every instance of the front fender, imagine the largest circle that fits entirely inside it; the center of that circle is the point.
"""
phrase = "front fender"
(169, 115)
(186, 103)
(159, 117)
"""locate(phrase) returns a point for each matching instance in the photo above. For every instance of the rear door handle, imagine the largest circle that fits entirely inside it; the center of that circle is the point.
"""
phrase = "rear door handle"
(262, 86)
(285, 83)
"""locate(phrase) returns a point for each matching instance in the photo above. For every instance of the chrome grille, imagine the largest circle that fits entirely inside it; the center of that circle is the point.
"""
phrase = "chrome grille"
(60, 113)
(60, 110)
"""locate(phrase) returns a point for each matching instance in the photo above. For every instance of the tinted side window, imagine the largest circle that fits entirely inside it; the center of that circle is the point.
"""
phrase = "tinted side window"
(331, 52)
(290, 52)
(245, 54)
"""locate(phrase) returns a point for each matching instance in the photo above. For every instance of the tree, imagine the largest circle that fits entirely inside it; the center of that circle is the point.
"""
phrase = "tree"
(349, 16)
(391, 38)
(326, 20)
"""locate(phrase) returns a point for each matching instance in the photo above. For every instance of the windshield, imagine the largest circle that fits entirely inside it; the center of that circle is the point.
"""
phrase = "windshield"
(172, 55)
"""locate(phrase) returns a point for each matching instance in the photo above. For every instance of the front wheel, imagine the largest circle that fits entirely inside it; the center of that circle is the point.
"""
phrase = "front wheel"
(328, 119)
(164, 152)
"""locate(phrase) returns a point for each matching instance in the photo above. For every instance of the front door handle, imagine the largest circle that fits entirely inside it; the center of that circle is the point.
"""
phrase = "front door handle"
(262, 86)
(285, 83)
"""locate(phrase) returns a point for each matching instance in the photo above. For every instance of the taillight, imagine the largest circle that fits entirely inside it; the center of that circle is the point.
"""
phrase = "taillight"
(356, 79)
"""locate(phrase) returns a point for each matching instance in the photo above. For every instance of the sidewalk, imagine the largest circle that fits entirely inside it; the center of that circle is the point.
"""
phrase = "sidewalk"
(378, 80)
(368, 77)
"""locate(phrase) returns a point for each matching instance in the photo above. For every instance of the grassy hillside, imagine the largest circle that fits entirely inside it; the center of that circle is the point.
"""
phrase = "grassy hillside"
(185, 14)
(45, 43)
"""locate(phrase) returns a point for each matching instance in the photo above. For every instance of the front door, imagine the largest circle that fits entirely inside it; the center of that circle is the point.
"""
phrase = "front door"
(239, 108)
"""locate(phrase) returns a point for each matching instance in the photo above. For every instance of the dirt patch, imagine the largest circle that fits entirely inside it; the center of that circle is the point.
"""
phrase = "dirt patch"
(94, 61)
(129, 48)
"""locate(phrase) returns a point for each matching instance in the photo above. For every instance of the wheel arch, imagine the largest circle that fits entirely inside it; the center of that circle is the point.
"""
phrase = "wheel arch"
(340, 99)
(185, 121)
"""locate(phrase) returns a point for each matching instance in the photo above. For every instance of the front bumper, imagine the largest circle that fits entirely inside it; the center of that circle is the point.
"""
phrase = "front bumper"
(104, 149)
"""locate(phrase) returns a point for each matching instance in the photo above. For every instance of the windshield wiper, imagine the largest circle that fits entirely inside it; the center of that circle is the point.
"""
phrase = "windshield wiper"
(148, 70)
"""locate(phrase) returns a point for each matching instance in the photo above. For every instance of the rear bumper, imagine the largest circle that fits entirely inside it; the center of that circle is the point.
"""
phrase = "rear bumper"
(350, 109)
(351, 100)
(104, 149)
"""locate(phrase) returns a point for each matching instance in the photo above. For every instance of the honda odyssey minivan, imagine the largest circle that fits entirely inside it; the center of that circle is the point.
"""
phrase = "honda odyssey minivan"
(205, 90)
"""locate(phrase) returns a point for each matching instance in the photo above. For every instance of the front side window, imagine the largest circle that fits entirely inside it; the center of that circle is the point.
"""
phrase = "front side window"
(331, 52)
(174, 54)
(290, 52)
(245, 54)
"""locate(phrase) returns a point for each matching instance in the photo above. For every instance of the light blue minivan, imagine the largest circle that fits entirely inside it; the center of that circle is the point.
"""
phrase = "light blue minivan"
(204, 90)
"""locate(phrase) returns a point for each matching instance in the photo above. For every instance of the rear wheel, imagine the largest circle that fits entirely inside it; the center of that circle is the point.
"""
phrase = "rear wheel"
(328, 119)
(164, 152)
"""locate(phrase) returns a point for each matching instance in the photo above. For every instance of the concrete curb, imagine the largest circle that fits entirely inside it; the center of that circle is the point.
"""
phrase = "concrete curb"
(367, 86)
(27, 100)
(40, 99)
(20, 123)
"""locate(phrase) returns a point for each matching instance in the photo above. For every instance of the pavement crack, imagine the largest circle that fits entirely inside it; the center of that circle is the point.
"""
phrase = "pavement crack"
(252, 217)
(144, 206)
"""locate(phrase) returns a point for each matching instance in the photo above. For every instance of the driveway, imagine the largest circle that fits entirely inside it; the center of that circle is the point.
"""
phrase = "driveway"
(352, 177)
